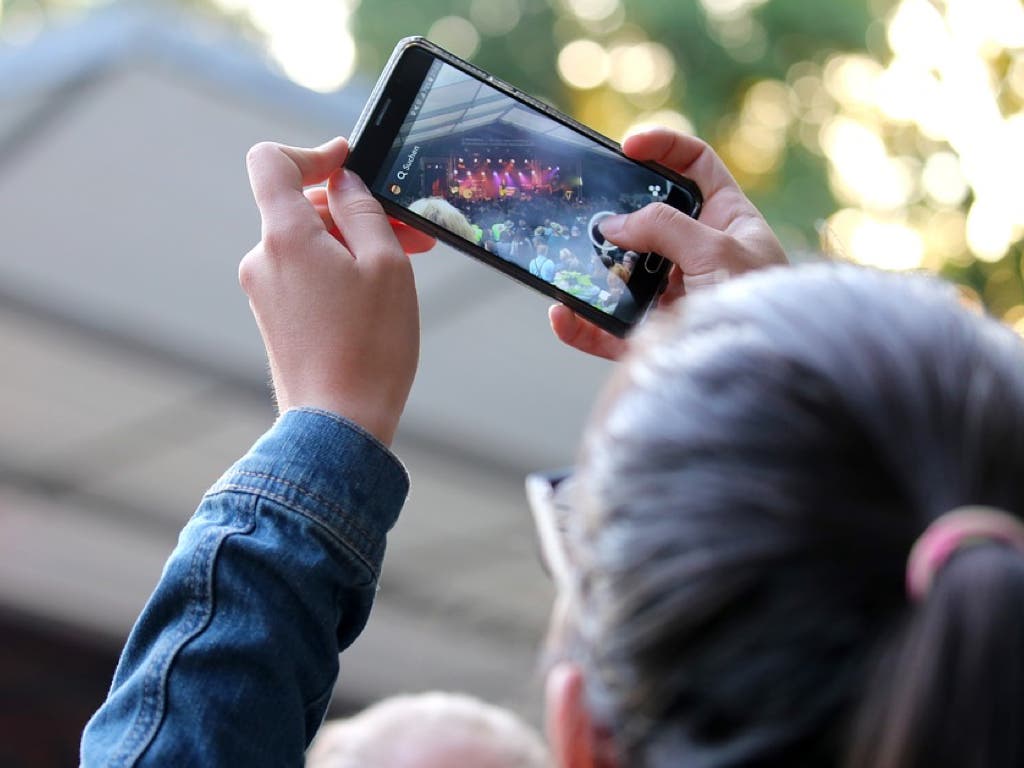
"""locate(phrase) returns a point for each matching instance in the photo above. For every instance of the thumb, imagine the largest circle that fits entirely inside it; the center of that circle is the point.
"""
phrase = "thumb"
(359, 216)
(659, 228)
(278, 172)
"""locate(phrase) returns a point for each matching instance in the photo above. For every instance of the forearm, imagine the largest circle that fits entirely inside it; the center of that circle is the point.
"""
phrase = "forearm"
(234, 657)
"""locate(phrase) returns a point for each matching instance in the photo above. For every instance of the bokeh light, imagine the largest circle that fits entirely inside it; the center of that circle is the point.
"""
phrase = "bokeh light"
(310, 39)
(583, 64)
(640, 67)
(730, 8)
(662, 118)
(923, 143)
(495, 19)
(852, 79)
(457, 34)
(919, 134)
(1015, 77)
(990, 230)
(943, 180)
(593, 10)
(878, 241)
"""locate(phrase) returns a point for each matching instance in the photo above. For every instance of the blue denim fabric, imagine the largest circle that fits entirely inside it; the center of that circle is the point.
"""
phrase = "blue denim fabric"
(234, 657)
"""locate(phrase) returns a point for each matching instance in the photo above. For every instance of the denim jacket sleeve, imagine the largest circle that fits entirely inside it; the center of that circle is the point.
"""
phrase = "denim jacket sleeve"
(233, 659)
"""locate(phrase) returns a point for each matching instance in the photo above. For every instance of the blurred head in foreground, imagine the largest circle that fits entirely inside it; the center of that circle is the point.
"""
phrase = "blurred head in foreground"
(429, 730)
(741, 519)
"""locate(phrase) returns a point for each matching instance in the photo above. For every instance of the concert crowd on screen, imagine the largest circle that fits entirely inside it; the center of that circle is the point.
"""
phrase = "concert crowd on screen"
(546, 231)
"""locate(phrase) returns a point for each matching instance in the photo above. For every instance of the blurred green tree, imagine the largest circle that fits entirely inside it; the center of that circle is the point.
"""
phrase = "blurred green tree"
(886, 131)
(713, 60)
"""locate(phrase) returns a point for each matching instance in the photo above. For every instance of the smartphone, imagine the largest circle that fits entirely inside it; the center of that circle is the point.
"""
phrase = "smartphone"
(457, 153)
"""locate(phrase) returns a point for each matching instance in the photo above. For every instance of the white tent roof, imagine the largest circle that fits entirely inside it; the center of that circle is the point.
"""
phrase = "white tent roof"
(458, 103)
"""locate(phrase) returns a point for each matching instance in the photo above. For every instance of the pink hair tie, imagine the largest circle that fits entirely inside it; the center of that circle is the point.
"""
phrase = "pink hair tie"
(962, 527)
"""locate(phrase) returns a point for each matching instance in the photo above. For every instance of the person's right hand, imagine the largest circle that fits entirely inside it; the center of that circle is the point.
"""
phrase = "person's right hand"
(338, 314)
(730, 237)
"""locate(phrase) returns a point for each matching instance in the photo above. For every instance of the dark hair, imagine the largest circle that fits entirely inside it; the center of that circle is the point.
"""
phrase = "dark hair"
(753, 490)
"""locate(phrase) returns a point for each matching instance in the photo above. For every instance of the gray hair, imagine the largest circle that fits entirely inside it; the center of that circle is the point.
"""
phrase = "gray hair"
(751, 494)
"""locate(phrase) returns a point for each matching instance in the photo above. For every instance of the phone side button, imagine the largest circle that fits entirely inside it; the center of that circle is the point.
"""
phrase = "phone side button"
(653, 262)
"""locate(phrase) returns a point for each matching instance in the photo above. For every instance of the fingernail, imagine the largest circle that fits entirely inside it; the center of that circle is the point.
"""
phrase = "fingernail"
(350, 180)
(612, 225)
(331, 142)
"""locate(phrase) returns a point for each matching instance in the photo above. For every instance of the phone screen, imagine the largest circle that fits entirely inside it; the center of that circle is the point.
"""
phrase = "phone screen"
(528, 189)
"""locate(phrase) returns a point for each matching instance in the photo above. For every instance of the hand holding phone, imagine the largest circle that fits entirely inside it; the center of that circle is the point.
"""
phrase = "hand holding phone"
(508, 180)
(730, 238)
(411, 239)
(338, 316)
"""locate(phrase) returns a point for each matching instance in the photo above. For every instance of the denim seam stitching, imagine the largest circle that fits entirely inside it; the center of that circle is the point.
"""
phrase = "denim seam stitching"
(362, 431)
(200, 613)
(340, 511)
(309, 514)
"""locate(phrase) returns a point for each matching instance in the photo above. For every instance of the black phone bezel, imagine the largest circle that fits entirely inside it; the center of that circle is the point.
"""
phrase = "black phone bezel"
(382, 119)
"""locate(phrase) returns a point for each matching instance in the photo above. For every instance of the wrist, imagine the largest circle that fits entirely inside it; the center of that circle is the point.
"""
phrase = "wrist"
(379, 421)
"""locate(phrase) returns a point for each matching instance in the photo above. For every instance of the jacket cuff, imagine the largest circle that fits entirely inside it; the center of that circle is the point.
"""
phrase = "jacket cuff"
(331, 470)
